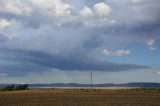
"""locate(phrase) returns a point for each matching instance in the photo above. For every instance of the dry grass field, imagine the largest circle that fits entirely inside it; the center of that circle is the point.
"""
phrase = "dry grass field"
(81, 98)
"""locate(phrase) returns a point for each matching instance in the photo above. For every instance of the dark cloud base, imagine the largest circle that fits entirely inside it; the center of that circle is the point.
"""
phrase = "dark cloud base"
(29, 61)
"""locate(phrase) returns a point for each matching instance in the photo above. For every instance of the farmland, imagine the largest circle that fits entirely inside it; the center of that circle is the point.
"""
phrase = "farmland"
(81, 97)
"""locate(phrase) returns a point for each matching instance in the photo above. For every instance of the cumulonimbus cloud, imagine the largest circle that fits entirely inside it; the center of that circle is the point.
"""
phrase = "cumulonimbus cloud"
(57, 34)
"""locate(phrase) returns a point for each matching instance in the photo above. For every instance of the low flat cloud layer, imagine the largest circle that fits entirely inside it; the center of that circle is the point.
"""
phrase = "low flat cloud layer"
(40, 35)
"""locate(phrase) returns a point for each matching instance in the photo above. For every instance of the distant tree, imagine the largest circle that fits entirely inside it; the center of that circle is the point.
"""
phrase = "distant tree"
(17, 87)
(9, 88)
(22, 87)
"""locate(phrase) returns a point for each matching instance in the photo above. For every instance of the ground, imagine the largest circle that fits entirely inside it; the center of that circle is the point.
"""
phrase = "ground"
(80, 97)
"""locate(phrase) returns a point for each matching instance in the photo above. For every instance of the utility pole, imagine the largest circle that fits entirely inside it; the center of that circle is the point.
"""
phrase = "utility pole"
(91, 81)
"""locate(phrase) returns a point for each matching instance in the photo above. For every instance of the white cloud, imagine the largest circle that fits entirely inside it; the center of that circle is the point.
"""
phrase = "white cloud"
(86, 12)
(98, 16)
(4, 23)
(101, 9)
(14, 7)
(54, 7)
(150, 44)
(115, 53)
(54, 12)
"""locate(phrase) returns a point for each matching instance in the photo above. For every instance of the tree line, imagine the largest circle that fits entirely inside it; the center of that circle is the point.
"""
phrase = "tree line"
(15, 87)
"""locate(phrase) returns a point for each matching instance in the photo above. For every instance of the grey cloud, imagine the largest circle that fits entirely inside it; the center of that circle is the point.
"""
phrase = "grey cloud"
(44, 41)
(39, 61)
(3, 38)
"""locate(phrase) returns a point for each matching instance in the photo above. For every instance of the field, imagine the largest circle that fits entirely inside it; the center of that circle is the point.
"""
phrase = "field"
(81, 97)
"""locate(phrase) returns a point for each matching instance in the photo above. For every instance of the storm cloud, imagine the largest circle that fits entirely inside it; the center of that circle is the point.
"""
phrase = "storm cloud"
(40, 35)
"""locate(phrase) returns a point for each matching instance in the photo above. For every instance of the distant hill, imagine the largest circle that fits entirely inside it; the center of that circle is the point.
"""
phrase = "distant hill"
(134, 84)
(142, 85)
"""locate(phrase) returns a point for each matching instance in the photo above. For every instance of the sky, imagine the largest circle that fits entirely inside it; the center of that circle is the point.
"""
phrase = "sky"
(62, 41)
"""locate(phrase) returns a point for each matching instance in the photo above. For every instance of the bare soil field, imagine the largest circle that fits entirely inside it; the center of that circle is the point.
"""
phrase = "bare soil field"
(81, 97)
